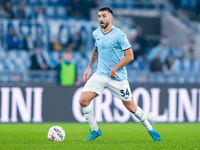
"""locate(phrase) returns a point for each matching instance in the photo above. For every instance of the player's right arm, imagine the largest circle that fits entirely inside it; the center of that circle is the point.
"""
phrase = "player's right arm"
(93, 60)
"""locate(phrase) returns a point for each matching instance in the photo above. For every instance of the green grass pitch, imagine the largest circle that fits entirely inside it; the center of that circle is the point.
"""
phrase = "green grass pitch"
(115, 136)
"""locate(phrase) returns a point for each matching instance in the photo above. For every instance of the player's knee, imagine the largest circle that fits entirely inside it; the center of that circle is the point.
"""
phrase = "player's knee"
(83, 103)
(132, 109)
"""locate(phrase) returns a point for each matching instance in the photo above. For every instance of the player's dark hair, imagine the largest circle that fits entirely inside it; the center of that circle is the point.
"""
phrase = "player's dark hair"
(106, 9)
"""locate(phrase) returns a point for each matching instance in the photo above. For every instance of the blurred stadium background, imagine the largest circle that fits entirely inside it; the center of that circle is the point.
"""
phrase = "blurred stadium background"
(165, 35)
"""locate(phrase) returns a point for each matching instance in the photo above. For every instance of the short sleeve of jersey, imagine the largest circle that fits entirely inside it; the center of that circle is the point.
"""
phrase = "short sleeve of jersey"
(94, 39)
(123, 41)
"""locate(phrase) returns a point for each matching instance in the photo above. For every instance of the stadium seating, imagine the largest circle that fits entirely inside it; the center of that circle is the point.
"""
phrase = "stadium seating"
(50, 12)
(1, 66)
(61, 12)
(56, 19)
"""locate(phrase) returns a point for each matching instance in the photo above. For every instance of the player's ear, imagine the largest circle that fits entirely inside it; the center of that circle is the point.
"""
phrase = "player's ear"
(111, 17)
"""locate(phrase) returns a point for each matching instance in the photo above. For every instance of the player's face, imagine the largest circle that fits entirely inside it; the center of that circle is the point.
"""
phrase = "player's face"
(104, 18)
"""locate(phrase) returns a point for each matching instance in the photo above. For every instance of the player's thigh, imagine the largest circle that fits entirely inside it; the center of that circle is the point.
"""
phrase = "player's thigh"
(96, 84)
(120, 89)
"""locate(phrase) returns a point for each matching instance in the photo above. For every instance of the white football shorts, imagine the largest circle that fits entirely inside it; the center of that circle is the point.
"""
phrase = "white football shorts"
(120, 89)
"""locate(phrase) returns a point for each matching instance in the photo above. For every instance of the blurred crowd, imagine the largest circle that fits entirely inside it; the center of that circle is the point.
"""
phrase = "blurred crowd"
(43, 9)
(58, 42)
(161, 57)
(191, 7)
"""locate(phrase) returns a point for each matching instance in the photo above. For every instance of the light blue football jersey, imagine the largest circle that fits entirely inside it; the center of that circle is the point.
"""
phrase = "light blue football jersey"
(110, 51)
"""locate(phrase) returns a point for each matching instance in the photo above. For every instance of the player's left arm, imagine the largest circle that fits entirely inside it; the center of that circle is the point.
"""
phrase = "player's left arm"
(128, 57)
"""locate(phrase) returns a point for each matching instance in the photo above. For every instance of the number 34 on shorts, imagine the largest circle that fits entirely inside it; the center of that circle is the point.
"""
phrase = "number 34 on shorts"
(125, 93)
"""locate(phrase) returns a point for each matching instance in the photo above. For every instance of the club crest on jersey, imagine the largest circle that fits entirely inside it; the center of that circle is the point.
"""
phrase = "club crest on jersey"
(110, 39)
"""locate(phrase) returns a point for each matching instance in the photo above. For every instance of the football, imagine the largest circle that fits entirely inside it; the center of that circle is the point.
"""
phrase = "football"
(56, 133)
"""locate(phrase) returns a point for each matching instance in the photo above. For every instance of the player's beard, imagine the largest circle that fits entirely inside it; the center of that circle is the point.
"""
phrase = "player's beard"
(105, 25)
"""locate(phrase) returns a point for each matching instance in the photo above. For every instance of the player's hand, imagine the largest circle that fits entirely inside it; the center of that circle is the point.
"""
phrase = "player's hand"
(86, 75)
(113, 73)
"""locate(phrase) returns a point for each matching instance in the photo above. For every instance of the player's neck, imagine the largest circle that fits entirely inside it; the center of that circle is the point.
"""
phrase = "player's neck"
(106, 30)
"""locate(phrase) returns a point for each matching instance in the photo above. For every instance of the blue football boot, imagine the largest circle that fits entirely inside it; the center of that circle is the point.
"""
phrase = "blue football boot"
(154, 134)
(93, 135)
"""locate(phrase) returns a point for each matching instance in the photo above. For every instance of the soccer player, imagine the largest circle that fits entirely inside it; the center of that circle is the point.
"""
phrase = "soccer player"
(113, 51)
